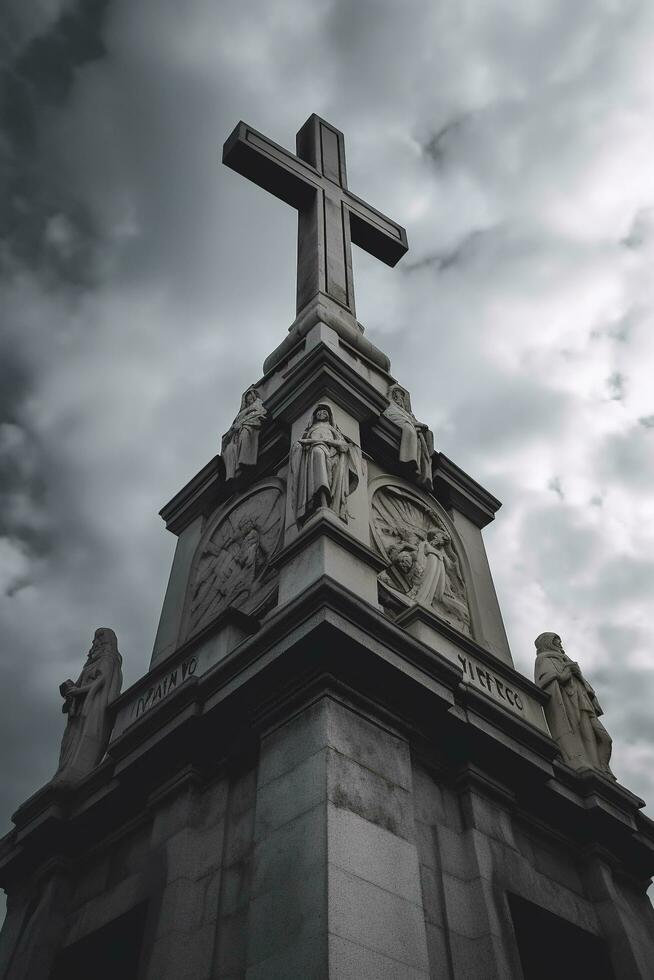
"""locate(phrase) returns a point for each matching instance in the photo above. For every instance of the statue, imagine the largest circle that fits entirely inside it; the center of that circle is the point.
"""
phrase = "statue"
(241, 444)
(325, 467)
(423, 565)
(572, 710)
(85, 702)
(417, 442)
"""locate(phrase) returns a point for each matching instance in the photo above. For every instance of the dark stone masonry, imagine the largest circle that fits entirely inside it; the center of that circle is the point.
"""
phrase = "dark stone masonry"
(332, 768)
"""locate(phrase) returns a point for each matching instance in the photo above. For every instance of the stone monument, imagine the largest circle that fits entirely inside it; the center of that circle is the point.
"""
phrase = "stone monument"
(331, 769)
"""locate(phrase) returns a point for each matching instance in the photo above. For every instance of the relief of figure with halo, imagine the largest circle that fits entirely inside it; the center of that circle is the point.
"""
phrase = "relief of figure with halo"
(423, 564)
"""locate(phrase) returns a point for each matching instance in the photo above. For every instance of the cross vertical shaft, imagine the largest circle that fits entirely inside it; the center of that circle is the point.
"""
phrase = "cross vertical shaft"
(330, 217)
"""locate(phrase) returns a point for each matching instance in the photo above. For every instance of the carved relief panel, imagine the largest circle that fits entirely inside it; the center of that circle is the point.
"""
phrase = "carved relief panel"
(424, 565)
(231, 564)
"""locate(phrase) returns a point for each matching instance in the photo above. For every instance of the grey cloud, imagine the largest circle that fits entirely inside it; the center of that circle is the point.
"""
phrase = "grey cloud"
(144, 285)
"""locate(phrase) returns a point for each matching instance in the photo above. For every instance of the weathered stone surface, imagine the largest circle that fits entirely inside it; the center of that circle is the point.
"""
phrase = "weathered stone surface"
(416, 441)
(424, 565)
(232, 558)
(86, 702)
(572, 709)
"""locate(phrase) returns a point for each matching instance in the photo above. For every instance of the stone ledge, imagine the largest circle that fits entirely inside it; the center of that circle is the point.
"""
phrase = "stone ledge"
(322, 372)
(323, 525)
(323, 309)
(453, 488)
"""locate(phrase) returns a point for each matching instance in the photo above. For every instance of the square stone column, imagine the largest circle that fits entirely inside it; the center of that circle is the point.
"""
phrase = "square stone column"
(335, 883)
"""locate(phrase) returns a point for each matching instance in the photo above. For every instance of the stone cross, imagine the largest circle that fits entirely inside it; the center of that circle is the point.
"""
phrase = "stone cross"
(330, 217)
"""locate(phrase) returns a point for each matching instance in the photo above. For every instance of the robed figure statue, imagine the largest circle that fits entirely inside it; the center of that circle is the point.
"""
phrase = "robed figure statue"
(241, 443)
(572, 710)
(325, 467)
(85, 702)
(416, 441)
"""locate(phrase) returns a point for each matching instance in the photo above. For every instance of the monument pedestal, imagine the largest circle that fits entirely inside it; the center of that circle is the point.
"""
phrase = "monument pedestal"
(332, 770)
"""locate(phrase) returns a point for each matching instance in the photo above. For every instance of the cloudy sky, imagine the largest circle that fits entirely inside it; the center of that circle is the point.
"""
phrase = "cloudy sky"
(142, 284)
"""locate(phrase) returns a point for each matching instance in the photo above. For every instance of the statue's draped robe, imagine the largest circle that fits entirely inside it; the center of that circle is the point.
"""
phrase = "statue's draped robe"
(241, 447)
(567, 703)
(567, 700)
(321, 466)
(88, 728)
(432, 575)
(416, 446)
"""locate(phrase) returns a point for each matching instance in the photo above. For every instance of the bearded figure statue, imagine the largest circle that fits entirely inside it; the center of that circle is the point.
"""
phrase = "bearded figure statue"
(86, 701)
(572, 711)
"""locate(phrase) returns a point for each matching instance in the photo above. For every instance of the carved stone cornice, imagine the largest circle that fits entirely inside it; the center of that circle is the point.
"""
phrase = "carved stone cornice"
(320, 373)
(454, 489)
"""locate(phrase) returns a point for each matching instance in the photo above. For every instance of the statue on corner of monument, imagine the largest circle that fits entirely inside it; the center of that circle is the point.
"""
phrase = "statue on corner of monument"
(240, 446)
(572, 710)
(86, 700)
(416, 442)
(325, 467)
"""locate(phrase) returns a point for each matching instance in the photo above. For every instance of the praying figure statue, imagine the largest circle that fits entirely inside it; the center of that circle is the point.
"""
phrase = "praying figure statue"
(85, 702)
(325, 467)
(241, 444)
(416, 442)
(572, 710)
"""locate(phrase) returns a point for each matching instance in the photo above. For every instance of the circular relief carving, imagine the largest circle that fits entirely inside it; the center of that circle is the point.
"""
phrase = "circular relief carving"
(423, 563)
(230, 567)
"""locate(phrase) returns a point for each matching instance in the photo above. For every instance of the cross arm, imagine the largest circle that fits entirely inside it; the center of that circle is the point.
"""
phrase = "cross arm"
(374, 232)
(270, 166)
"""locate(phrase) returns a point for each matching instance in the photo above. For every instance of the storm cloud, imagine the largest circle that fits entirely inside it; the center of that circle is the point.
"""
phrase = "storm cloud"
(142, 285)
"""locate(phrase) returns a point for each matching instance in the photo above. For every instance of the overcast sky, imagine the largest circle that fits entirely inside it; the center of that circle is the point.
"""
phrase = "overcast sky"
(142, 284)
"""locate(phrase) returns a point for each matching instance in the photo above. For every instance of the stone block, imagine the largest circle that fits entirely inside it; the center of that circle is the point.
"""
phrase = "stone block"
(427, 797)
(322, 555)
(560, 867)
(296, 849)
(173, 605)
(438, 952)
(478, 959)
(128, 854)
(211, 803)
(305, 960)
(487, 817)
(286, 917)
(426, 844)
(235, 894)
(290, 744)
(293, 793)
(173, 813)
(432, 895)
(239, 834)
(193, 853)
(243, 792)
(91, 881)
(369, 745)
(183, 956)
(108, 906)
(351, 961)
(370, 852)
(181, 908)
(231, 945)
(370, 916)
(353, 787)
(457, 855)
(467, 906)
(212, 886)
